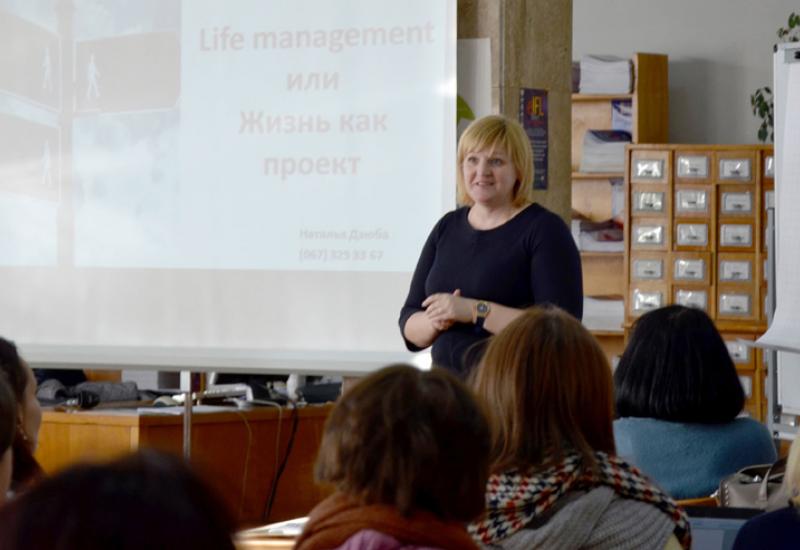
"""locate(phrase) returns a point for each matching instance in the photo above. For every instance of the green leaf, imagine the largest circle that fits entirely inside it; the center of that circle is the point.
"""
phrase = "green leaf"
(463, 110)
(762, 134)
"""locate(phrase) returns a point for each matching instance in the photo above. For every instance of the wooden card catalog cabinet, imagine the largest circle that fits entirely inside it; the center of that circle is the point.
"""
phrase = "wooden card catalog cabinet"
(648, 266)
(767, 192)
(646, 297)
(691, 296)
(693, 167)
(735, 166)
(736, 268)
(646, 200)
(769, 169)
(693, 201)
(737, 303)
(651, 167)
(736, 202)
(692, 235)
(688, 267)
(736, 236)
(696, 217)
(741, 353)
(650, 234)
(750, 372)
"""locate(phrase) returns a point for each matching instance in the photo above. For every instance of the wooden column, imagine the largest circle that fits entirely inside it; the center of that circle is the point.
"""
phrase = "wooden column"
(531, 42)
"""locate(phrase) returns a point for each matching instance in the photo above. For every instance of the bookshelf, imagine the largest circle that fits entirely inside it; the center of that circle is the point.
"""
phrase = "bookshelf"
(592, 197)
(694, 235)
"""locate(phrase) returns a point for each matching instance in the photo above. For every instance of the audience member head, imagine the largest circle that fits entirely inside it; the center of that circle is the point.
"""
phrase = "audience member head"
(550, 387)
(144, 500)
(498, 132)
(8, 427)
(415, 440)
(29, 415)
(676, 367)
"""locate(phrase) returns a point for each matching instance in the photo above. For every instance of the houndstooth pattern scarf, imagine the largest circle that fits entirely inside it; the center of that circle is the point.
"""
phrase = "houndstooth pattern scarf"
(513, 499)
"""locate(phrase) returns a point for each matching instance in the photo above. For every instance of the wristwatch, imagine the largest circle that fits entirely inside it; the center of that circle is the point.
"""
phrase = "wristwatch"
(481, 310)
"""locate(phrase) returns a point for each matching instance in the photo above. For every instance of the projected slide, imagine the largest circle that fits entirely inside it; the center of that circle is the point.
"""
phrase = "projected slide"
(198, 182)
(200, 136)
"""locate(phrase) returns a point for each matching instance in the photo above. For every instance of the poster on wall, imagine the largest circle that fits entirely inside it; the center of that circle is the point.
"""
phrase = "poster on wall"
(474, 99)
(533, 117)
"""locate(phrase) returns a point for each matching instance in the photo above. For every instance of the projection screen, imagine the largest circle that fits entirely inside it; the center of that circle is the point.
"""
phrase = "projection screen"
(217, 185)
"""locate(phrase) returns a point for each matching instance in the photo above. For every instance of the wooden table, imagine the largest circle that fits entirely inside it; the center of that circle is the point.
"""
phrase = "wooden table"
(234, 450)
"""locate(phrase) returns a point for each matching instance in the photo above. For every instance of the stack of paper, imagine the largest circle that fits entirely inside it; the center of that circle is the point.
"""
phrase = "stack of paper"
(604, 74)
(604, 236)
(622, 115)
(603, 314)
(604, 150)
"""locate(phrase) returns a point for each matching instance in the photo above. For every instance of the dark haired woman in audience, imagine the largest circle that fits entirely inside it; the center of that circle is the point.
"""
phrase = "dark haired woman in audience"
(499, 253)
(407, 451)
(146, 500)
(780, 529)
(556, 480)
(8, 427)
(29, 415)
(678, 396)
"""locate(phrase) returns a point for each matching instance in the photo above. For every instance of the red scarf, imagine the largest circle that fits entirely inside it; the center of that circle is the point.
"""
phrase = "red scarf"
(339, 517)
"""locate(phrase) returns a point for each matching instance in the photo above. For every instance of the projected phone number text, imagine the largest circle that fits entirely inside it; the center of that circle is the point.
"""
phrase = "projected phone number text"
(339, 255)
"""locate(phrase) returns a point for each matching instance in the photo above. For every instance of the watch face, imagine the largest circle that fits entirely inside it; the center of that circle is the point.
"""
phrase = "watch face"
(482, 308)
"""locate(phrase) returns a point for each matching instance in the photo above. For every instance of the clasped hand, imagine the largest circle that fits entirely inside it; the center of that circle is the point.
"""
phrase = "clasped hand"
(444, 309)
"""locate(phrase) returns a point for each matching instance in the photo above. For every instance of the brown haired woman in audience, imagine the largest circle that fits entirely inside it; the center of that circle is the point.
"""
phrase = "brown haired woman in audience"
(556, 481)
(407, 451)
(29, 416)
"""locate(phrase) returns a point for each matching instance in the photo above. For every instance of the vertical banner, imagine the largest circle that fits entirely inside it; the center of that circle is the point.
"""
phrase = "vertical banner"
(533, 117)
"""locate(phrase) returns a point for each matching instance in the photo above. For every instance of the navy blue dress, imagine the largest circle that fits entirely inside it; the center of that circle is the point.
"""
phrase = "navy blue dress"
(531, 259)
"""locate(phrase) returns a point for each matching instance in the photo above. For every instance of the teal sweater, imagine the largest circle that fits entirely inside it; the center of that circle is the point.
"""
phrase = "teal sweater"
(688, 460)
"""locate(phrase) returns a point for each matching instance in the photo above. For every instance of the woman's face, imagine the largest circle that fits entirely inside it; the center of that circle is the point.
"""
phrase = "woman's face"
(489, 177)
(30, 413)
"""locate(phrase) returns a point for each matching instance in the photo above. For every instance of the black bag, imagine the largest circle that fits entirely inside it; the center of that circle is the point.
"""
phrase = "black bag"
(760, 486)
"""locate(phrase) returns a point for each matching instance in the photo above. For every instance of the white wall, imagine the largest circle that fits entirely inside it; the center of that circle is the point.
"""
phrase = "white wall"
(720, 51)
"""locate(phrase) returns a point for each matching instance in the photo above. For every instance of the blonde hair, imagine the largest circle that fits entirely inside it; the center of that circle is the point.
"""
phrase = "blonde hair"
(792, 477)
(550, 387)
(498, 132)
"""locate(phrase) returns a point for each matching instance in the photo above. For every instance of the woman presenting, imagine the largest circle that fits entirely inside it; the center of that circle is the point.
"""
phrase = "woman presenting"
(488, 260)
